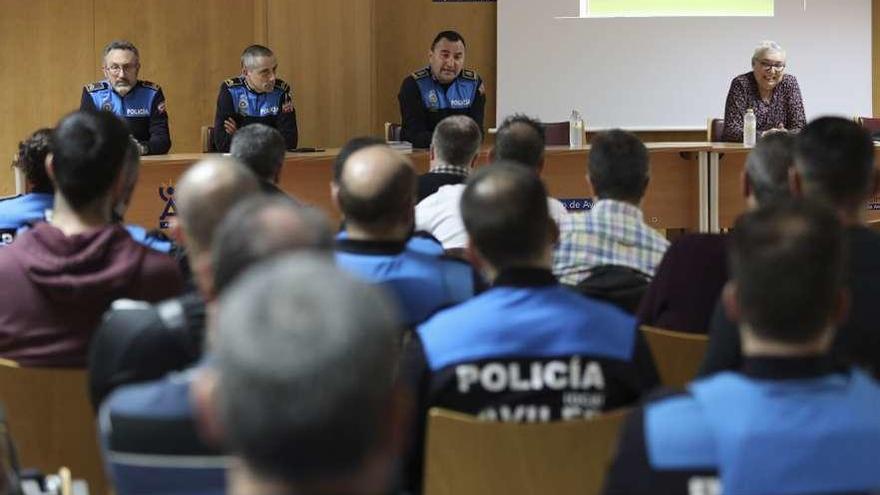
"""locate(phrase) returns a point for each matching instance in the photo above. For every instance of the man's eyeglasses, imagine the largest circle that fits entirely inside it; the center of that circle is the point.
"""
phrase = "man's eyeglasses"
(768, 65)
(121, 68)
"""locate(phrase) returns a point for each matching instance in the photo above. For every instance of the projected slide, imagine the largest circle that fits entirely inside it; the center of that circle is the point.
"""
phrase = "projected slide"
(675, 8)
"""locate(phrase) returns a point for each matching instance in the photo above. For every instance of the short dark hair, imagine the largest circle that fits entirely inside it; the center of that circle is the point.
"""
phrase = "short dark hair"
(252, 52)
(504, 209)
(767, 167)
(259, 148)
(835, 157)
(618, 165)
(456, 140)
(88, 152)
(31, 160)
(388, 206)
(452, 36)
(296, 338)
(521, 139)
(349, 148)
(260, 227)
(787, 260)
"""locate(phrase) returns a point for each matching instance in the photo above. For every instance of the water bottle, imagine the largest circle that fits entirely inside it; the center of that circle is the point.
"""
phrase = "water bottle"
(575, 130)
(750, 128)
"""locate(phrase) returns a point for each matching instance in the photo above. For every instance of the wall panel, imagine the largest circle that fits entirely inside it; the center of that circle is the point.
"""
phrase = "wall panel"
(46, 53)
(186, 47)
(325, 51)
(403, 33)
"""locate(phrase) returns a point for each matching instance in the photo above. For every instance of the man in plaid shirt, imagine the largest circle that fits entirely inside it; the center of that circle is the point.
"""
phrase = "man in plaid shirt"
(613, 232)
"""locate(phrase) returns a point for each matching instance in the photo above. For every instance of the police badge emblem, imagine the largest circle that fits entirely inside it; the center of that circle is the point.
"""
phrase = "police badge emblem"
(432, 99)
(242, 105)
(107, 107)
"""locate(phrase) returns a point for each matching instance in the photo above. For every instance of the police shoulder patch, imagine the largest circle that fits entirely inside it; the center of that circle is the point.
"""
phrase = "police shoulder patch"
(150, 84)
(421, 74)
(96, 86)
(469, 74)
(281, 85)
(234, 81)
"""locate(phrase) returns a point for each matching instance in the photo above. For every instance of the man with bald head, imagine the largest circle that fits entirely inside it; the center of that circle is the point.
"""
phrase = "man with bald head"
(376, 192)
(154, 420)
(138, 341)
(528, 349)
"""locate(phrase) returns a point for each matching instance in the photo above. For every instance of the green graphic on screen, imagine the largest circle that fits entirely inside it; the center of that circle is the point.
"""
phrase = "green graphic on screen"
(675, 8)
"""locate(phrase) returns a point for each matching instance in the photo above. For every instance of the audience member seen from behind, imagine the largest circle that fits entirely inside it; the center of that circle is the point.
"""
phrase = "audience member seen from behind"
(688, 281)
(261, 149)
(611, 252)
(257, 96)
(454, 148)
(376, 193)
(296, 339)
(422, 242)
(774, 97)
(519, 139)
(138, 340)
(151, 442)
(32, 206)
(528, 349)
(834, 163)
(789, 420)
(441, 89)
(60, 276)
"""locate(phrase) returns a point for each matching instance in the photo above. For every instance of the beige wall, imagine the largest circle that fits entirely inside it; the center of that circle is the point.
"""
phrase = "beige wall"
(345, 59)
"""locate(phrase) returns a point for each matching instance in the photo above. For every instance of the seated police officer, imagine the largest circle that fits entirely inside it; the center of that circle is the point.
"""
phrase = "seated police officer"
(256, 96)
(788, 421)
(441, 89)
(376, 193)
(25, 209)
(528, 349)
(140, 103)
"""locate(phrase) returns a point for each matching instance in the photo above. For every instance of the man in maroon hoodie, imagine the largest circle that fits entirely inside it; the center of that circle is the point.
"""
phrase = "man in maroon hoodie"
(58, 278)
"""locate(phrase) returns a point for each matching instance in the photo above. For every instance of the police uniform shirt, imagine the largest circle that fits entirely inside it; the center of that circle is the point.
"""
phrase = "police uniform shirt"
(421, 283)
(143, 108)
(424, 102)
(21, 211)
(526, 350)
(782, 425)
(237, 101)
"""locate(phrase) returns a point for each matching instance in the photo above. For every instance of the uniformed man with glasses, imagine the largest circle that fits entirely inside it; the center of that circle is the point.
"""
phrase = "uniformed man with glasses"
(140, 103)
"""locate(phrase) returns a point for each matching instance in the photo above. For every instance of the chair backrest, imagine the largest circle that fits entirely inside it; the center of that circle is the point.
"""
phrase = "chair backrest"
(556, 134)
(464, 455)
(207, 138)
(678, 355)
(870, 124)
(392, 131)
(714, 130)
(52, 422)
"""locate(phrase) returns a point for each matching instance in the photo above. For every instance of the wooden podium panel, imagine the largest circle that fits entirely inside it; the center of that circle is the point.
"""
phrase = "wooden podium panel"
(727, 163)
(675, 197)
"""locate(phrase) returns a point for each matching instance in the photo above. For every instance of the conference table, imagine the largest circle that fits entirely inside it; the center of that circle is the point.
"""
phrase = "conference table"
(694, 187)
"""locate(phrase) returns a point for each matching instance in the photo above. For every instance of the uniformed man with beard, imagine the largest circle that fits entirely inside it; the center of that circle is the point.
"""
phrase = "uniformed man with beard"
(140, 103)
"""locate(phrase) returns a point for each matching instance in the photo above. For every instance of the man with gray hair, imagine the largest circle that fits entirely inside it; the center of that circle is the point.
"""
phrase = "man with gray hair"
(287, 390)
(150, 425)
(261, 149)
(140, 103)
(256, 96)
(454, 147)
(689, 280)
